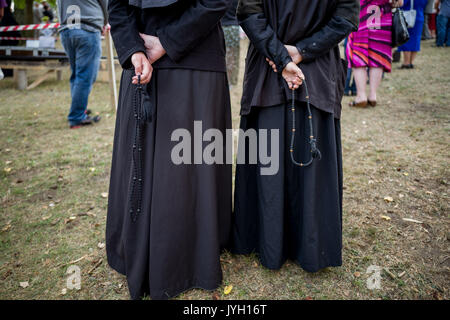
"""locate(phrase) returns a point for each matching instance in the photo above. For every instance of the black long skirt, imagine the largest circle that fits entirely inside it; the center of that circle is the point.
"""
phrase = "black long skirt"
(295, 214)
(174, 243)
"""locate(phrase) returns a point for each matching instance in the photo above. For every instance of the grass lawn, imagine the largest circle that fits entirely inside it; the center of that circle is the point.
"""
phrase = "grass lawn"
(396, 165)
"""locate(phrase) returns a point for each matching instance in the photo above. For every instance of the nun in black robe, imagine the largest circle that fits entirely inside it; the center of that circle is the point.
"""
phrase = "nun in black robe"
(296, 213)
(166, 223)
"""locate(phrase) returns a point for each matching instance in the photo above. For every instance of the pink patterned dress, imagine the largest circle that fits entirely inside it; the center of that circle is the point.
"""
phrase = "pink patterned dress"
(370, 46)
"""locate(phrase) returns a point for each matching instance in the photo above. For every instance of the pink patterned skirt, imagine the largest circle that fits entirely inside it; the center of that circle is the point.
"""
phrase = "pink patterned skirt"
(370, 46)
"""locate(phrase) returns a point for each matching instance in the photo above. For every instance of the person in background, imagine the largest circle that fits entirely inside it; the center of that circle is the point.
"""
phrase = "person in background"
(231, 31)
(37, 12)
(426, 32)
(410, 48)
(3, 5)
(370, 47)
(350, 85)
(81, 41)
(432, 20)
(443, 23)
(47, 11)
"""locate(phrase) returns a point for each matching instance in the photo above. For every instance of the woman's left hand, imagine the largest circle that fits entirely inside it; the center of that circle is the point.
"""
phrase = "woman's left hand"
(153, 46)
(293, 75)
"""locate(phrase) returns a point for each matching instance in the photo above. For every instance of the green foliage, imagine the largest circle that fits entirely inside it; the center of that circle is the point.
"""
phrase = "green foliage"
(21, 4)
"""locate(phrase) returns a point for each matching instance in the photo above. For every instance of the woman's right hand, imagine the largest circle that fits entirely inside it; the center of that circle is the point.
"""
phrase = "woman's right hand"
(293, 75)
(142, 67)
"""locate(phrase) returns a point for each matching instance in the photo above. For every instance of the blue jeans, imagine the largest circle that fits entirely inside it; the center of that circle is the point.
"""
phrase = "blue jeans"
(84, 50)
(442, 30)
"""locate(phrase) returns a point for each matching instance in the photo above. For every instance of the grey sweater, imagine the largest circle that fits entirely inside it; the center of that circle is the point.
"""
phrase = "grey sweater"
(91, 14)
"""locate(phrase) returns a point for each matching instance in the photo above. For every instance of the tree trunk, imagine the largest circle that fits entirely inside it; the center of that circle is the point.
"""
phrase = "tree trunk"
(29, 11)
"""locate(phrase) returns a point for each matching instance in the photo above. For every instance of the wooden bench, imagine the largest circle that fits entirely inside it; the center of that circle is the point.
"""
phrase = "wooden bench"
(22, 59)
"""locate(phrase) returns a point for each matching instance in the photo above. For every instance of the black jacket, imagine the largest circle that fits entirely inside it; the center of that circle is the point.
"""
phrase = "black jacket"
(189, 31)
(315, 28)
(230, 18)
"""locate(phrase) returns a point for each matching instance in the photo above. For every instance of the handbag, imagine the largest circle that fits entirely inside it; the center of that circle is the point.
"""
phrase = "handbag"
(400, 34)
(410, 16)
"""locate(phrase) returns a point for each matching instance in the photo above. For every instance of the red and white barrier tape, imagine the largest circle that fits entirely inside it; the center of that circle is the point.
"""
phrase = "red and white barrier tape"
(17, 38)
(30, 27)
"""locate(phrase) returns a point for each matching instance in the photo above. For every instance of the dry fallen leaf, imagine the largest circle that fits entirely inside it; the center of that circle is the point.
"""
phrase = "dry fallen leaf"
(357, 274)
(7, 170)
(63, 291)
(227, 289)
(388, 199)
(92, 169)
(104, 194)
(6, 228)
(100, 245)
(387, 218)
(24, 284)
(216, 296)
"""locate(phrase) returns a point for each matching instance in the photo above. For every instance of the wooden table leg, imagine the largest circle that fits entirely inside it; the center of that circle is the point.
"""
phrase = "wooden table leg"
(21, 79)
(59, 74)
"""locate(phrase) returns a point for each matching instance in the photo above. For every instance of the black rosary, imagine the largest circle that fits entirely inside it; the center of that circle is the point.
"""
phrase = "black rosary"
(315, 152)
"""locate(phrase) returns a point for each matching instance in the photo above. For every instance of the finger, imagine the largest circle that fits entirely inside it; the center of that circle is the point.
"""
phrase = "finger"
(138, 66)
(146, 73)
(291, 86)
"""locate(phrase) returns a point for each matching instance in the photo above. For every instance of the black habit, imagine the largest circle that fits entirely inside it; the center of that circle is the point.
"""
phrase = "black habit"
(296, 213)
(166, 223)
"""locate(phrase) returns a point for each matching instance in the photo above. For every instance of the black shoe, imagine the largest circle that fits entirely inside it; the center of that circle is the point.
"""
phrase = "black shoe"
(85, 122)
(396, 56)
(88, 111)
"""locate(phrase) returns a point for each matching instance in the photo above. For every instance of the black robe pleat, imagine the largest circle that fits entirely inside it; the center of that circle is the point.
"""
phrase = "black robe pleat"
(175, 242)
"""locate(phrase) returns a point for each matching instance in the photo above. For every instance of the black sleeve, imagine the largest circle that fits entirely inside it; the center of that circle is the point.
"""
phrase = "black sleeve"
(344, 20)
(124, 30)
(251, 18)
(104, 6)
(182, 35)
